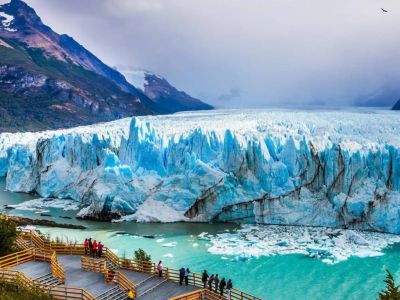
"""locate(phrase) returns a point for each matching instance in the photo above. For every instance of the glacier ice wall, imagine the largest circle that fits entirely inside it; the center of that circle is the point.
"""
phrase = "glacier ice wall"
(334, 169)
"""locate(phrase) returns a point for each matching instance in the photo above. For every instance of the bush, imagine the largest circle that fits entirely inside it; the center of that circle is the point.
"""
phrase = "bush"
(140, 254)
(8, 235)
(392, 291)
(15, 291)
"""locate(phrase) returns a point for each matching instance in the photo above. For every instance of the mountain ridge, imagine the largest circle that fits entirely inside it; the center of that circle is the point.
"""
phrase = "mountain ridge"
(50, 81)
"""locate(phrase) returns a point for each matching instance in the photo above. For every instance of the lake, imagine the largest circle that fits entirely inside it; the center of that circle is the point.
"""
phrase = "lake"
(288, 276)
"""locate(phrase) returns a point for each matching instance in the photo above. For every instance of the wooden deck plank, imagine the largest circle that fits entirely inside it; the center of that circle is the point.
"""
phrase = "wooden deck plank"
(33, 269)
(93, 282)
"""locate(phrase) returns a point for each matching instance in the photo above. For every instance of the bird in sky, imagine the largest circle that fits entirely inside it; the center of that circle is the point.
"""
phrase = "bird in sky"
(384, 10)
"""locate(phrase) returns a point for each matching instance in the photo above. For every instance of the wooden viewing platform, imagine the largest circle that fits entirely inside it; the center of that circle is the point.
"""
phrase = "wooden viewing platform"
(63, 271)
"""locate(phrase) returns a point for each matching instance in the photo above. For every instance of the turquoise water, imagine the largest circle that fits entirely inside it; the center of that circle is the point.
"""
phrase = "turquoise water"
(273, 277)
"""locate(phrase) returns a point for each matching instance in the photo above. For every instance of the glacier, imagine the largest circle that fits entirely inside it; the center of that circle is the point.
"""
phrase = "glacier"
(335, 169)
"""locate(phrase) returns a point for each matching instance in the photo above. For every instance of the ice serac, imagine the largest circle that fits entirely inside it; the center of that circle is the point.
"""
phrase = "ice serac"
(334, 169)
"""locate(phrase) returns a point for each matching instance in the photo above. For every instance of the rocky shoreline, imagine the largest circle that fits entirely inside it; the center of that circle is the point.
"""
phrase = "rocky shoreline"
(22, 221)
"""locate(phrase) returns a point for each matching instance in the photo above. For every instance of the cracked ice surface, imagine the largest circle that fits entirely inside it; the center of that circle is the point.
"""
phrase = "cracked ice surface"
(328, 244)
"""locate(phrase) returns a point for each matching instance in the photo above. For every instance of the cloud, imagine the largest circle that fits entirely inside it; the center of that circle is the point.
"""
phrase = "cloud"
(291, 52)
(128, 7)
(232, 93)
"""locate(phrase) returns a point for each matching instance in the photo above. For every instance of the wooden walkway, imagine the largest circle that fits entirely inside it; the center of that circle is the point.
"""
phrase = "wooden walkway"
(150, 287)
(66, 273)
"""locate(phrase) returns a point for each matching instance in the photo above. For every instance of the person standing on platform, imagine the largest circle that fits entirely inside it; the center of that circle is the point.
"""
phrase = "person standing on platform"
(204, 278)
(210, 281)
(94, 254)
(160, 268)
(86, 245)
(99, 249)
(181, 275)
(222, 286)
(229, 287)
(216, 282)
(187, 272)
(90, 246)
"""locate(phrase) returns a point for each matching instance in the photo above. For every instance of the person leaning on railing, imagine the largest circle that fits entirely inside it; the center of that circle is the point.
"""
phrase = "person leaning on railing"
(204, 278)
(229, 287)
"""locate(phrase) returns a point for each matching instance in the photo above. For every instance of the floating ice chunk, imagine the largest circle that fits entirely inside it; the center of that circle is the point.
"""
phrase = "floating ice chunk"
(168, 255)
(160, 240)
(40, 203)
(170, 245)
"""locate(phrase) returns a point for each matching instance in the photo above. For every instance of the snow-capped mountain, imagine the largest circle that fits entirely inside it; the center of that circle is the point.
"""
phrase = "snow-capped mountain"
(48, 80)
(334, 168)
(396, 106)
(159, 90)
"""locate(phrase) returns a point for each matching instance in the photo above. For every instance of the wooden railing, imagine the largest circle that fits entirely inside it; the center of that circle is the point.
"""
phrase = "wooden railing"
(56, 269)
(12, 276)
(203, 294)
(61, 292)
(93, 264)
(125, 283)
(16, 258)
(116, 277)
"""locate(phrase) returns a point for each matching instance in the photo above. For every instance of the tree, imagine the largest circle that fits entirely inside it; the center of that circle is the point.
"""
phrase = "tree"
(140, 254)
(8, 235)
(392, 291)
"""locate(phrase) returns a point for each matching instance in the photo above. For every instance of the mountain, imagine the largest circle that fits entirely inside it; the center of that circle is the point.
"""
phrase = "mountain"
(159, 90)
(49, 81)
(396, 106)
(315, 168)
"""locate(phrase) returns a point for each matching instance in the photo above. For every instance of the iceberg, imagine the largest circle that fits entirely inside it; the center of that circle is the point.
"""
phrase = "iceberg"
(335, 169)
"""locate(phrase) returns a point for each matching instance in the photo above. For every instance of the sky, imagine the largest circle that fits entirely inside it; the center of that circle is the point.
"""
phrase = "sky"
(246, 53)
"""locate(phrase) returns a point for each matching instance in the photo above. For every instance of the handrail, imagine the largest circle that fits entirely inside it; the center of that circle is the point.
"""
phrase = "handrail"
(16, 258)
(202, 294)
(93, 264)
(126, 284)
(113, 276)
(56, 269)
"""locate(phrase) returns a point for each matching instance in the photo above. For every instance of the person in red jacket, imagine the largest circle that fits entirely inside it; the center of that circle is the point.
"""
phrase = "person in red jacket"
(99, 249)
(94, 249)
(86, 245)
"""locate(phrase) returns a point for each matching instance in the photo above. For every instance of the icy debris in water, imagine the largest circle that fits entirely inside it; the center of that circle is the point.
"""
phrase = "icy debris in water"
(160, 240)
(203, 236)
(195, 245)
(329, 245)
(41, 203)
(168, 255)
(170, 245)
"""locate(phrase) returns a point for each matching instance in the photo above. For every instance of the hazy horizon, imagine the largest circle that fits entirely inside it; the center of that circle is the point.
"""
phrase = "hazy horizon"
(252, 53)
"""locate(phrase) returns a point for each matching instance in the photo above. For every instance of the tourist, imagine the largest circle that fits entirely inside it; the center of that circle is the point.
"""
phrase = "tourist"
(94, 250)
(229, 287)
(99, 249)
(86, 246)
(130, 295)
(181, 275)
(222, 286)
(204, 278)
(210, 281)
(216, 282)
(187, 272)
(90, 246)
(160, 268)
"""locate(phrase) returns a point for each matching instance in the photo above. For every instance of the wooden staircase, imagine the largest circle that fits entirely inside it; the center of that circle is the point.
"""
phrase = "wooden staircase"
(144, 289)
(48, 280)
(116, 293)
